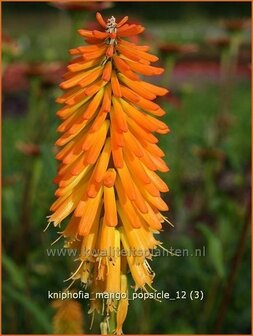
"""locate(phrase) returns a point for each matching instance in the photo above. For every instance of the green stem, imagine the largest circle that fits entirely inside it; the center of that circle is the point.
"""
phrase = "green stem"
(235, 265)
(208, 307)
(169, 67)
(33, 108)
(234, 50)
(36, 122)
(112, 323)
(29, 171)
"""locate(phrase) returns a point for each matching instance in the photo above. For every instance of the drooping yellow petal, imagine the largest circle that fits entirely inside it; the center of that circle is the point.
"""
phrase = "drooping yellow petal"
(113, 273)
(123, 304)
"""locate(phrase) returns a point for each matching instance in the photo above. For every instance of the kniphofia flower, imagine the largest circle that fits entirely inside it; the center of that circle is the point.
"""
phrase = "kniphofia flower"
(108, 188)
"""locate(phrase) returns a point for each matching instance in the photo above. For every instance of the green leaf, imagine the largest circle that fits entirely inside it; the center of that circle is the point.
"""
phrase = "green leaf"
(15, 273)
(214, 249)
(38, 313)
(9, 205)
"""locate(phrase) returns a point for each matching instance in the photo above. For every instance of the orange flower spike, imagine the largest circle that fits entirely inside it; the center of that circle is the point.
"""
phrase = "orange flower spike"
(108, 191)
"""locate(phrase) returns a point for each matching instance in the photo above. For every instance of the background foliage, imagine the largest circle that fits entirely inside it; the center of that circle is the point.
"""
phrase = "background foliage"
(208, 150)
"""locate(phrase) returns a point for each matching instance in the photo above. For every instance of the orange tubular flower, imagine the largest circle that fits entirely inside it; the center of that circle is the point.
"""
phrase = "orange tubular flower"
(107, 185)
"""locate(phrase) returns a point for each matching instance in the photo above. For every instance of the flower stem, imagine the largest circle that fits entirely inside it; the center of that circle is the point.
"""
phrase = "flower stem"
(235, 265)
(169, 67)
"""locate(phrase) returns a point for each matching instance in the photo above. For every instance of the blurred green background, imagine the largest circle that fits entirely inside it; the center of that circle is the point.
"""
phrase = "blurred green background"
(205, 48)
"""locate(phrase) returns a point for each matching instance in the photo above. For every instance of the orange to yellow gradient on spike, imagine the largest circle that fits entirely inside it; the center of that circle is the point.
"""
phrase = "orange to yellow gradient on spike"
(109, 192)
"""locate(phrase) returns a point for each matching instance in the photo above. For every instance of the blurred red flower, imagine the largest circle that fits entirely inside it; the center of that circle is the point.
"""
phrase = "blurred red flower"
(29, 149)
(16, 75)
(10, 46)
(175, 48)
